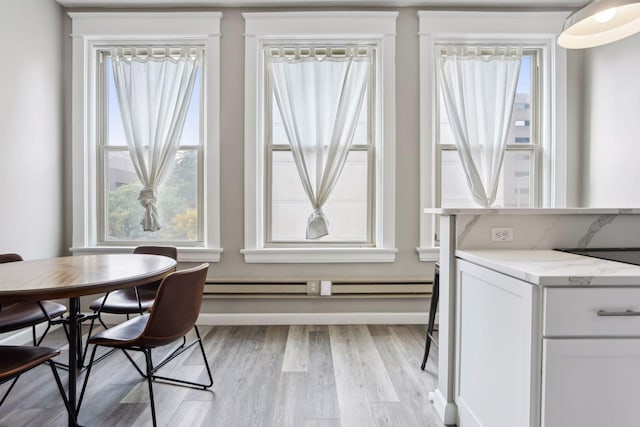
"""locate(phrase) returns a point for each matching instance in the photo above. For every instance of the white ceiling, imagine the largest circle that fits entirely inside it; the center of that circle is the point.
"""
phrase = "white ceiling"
(331, 3)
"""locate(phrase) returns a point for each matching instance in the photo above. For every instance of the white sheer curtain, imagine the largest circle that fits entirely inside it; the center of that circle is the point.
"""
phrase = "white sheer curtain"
(319, 99)
(478, 89)
(154, 89)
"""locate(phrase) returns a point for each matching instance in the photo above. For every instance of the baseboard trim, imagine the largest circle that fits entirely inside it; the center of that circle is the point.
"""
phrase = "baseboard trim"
(311, 318)
(214, 319)
(447, 411)
(231, 319)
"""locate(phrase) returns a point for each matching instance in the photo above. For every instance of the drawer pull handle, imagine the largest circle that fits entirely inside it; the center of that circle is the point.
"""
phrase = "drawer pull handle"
(618, 313)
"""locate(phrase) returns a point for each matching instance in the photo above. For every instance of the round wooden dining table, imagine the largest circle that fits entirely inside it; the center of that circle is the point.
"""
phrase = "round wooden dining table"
(73, 277)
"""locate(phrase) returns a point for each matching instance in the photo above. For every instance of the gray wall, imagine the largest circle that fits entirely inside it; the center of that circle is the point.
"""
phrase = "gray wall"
(232, 154)
(31, 129)
(611, 125)
(232, 263)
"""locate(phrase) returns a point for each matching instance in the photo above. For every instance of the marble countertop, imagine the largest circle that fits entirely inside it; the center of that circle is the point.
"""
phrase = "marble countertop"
(554, 268)
(533, 211)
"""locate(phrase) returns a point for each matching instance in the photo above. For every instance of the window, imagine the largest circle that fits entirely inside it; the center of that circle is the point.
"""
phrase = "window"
(281, 180)
(179, 198)
(518, 187)
(350, 205)
(533, 174)
(106, 183)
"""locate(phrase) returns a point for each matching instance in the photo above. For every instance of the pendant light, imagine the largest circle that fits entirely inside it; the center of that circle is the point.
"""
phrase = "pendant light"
(600, 22)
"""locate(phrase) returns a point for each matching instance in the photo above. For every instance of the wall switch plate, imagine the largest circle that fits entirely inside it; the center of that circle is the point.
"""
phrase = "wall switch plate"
(502, 234)
(325, 287)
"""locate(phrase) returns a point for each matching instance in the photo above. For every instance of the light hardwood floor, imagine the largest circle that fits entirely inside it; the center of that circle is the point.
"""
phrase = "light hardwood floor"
(271, 376)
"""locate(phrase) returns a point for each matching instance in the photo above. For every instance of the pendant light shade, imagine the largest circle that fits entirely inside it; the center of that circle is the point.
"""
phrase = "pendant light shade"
(600, 22)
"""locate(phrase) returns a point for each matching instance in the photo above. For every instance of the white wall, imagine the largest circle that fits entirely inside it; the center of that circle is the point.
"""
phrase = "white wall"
(31, 126)
(611, 125)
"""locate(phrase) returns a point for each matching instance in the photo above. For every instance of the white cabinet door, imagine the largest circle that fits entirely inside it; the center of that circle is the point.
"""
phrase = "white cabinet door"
(497, 363)
(591, 382)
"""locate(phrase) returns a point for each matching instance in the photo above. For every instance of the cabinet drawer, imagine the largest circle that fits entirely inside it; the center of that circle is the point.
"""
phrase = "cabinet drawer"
(574, 312)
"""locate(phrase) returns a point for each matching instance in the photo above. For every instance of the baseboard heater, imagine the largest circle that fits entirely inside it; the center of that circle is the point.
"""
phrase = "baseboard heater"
(279, 288)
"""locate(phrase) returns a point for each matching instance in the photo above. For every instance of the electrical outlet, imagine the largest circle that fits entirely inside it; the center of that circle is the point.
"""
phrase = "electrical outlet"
(325, 287)
(502, 234)
(313, 287)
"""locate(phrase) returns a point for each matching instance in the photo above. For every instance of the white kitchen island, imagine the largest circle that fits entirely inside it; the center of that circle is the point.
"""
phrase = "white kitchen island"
(546, 338)
(467, 399)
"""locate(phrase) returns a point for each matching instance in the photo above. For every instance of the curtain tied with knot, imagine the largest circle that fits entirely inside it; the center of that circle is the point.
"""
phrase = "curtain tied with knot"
(478, 87)
(154, 87)
(147, 199)
(319, 92)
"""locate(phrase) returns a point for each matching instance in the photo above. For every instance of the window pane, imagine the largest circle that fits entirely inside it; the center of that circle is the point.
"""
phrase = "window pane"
(279, 135)
(518, 180)
(515, 190)
(454, 189)
(520, 130)
(177, 200)
(115, 133)
(346, 208)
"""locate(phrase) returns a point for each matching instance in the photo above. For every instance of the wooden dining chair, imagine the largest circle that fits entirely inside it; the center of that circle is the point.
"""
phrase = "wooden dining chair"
(173, 314)
(16, 360)
(28, 314)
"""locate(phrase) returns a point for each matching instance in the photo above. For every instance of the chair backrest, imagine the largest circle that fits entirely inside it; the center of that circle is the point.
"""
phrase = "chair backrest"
(9, 258)
(176, 306)
(169, 251)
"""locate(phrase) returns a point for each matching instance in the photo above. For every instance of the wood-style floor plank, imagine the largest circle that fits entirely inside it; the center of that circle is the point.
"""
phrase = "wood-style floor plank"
(321, 397)
(271, 376)
(296, 353)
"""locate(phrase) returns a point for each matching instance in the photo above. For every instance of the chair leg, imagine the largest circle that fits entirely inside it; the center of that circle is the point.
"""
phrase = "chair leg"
(432, 318)
(44, 334)
(15, 380)
(147, 356)
(178, 352)
(63, 395)
(86, 347)
(135, 365)
(204, 356)
(86, 378)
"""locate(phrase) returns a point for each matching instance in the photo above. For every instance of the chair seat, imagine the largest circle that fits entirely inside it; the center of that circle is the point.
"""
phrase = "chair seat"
(128, 334)
(124, 301)
(15, 360)
(22, 315)
(121, 334)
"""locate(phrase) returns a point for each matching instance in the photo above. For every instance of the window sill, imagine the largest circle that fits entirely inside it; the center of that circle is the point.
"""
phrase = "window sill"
(319, 255)
(185, 254)
(428, 254)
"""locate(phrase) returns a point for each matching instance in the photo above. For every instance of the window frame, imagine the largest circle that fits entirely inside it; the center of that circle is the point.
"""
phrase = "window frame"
(530, 29)
(269, 28)
(95, 31)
